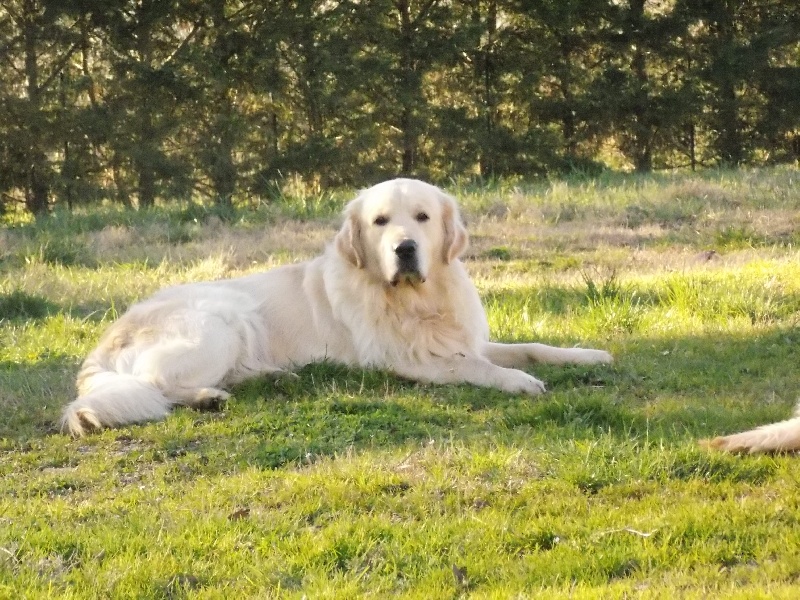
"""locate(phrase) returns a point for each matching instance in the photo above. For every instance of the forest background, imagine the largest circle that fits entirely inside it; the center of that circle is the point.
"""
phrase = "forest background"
(224, 101)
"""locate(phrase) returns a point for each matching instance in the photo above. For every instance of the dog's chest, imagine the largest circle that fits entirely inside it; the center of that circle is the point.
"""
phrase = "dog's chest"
(418, 326)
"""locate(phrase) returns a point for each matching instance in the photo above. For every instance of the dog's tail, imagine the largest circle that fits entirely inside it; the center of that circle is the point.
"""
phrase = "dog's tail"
(108, 399)
(777, 437)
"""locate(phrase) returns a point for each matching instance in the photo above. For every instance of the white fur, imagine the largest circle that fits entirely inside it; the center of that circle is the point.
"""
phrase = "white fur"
(777, 437)
(351, 305)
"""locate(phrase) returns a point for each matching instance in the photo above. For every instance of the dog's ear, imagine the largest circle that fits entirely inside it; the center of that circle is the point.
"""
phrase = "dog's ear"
(348, 240)
(455, 234)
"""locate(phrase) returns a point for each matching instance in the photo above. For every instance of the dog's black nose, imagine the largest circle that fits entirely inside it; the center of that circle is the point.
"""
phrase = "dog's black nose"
(406, 249)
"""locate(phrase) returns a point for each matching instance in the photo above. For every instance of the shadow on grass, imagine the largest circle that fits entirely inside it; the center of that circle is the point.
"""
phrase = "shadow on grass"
(32, 395)
(661, 392)
(22, 306)
(704, 387)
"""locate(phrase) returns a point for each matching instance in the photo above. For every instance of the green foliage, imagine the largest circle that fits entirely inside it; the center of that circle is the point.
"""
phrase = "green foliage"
(223, 102)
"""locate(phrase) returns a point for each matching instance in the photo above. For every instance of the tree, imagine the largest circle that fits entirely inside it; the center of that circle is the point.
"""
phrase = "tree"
(775, 50)
(561, 39)
(641, 90)
(137, 100)
(38, 39)
(216, 66)
(405, 41)
(145, 43)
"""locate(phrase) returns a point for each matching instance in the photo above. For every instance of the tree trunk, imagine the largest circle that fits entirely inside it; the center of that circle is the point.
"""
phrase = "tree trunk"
(122, 194)
(486, 79)
(222, 169)
(145, 154)
(408, 89)
(568, 99)
(642, 133)
(37, 194)
(729, 141)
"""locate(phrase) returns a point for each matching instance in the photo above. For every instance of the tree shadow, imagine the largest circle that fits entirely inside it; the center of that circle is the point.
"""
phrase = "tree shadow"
(33, 394)
(667, 391)
(22, 306)
(702, 387)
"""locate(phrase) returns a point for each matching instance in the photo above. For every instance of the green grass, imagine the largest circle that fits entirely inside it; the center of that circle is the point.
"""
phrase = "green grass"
(349, 484)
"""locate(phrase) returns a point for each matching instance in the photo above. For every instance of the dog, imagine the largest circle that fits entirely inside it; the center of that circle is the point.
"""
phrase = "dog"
(783, 436)
(389, 292)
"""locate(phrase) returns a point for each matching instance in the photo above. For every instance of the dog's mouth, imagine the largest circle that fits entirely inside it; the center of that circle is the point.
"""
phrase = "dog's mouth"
(407, 273)
(407, 278)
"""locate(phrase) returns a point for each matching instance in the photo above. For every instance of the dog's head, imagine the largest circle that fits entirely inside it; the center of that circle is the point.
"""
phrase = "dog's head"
(401, 230)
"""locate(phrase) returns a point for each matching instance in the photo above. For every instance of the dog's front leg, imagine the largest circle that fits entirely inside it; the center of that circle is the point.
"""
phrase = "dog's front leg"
(474, 370)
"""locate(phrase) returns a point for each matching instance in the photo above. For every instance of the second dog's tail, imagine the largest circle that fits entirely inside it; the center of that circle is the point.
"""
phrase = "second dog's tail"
(777, 437)
(109, 399)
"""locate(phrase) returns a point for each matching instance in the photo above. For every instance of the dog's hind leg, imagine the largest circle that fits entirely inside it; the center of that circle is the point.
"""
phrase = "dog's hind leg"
(192, 371)
(207, 398)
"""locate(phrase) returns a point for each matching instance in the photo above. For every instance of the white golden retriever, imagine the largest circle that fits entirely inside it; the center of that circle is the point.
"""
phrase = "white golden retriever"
(783, 436)
(389, 293)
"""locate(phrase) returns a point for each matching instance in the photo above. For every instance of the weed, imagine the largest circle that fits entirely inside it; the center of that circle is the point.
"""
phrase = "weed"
(58, 251)
(607, 290)
(611, 308)
(735, 237)
(498, 253)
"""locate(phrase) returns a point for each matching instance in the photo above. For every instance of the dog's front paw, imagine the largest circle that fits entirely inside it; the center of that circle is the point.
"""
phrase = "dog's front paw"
(525, 384)
(595, 357)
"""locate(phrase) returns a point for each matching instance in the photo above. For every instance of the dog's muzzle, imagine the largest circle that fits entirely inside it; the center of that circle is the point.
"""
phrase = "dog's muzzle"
(407, 263)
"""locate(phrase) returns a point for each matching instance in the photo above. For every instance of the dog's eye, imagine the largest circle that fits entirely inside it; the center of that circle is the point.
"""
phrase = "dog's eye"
(422, 217)
(381, 221)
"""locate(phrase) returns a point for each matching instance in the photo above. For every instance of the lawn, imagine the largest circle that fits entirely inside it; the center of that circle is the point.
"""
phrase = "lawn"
(350, 484)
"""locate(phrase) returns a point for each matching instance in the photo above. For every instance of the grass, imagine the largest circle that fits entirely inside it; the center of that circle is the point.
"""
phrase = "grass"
(349, 484)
